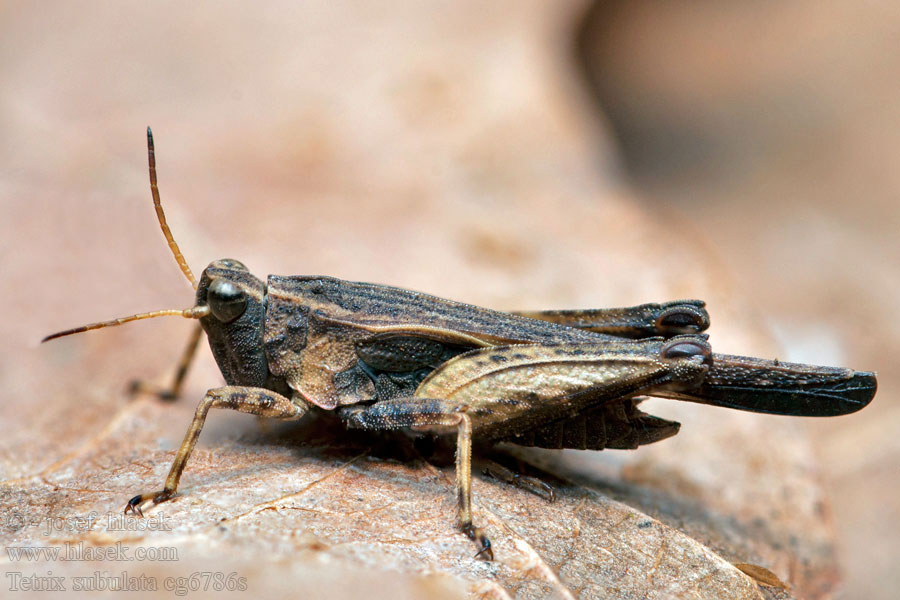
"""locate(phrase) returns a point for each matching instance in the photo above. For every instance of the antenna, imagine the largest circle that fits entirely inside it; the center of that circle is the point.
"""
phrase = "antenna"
(161, 216)
(196, 312)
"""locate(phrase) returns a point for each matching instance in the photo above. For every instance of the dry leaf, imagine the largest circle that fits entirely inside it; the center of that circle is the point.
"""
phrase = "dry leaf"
(356, 181)
(762, 575)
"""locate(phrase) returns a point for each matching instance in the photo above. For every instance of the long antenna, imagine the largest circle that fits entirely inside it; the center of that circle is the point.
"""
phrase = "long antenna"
(196, 312)
(161, 216)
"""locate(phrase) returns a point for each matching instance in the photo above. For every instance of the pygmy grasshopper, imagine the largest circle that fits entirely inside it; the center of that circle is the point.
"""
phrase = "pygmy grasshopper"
(385, 358)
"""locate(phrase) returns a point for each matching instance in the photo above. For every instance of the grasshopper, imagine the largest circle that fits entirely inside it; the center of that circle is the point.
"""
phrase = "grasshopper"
(385, 358)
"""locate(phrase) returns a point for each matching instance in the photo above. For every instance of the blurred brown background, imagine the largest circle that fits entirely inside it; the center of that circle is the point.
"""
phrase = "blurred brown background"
(517, 154)
(773, 128)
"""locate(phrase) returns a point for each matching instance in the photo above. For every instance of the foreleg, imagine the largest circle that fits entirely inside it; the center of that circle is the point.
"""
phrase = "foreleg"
(256, 401)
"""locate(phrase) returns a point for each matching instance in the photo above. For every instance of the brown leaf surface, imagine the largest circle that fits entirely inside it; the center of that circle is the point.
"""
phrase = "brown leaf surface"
(450, 154)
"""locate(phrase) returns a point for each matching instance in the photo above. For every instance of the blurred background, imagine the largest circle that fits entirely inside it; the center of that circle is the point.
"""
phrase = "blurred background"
(773, 129)
(510, 154)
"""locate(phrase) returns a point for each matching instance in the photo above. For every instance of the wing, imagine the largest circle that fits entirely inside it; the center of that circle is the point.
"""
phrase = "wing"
(646, 320)
(316, 328)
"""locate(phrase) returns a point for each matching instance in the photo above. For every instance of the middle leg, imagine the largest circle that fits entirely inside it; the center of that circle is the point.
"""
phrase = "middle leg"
(170, 394)
(435, 416)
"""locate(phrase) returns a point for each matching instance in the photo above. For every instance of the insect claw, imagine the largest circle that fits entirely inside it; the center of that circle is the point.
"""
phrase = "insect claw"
(134, 506)
(486, 550)
(477, 535)
(551, 494)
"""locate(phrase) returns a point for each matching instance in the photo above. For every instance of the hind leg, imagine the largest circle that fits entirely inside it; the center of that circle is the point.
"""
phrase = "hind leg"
(519, 479)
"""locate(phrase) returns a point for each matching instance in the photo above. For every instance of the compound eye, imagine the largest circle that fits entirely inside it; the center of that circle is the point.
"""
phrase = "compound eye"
(228, 263)
(226, 301)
